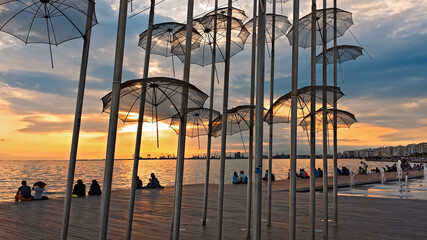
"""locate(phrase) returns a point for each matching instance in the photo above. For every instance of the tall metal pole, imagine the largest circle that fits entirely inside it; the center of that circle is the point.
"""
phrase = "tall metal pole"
(224, 120)
(325, 129)
(112, 129)
(140, 123)
(270, 132)
(259, 115)
(335, 191)
(294, 96)
(313, 123)
(182, 126)
(251, 125)
(211, 103)
(77, 120)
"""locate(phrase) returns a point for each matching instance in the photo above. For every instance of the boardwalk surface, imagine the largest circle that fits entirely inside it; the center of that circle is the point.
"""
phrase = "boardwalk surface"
(359, 217)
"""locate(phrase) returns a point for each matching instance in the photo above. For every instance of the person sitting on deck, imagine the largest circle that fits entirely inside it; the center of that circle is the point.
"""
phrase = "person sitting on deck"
(320, 172)
(306, 174)
(23, 193)
(265, 178)
(95, 189)
(79, 189)
(345, 171)
(339, 171)
(38, 188)
(302, 173)
(138, 183)
(154, 182)
(316, 173)
(236, 179)
(243, 178)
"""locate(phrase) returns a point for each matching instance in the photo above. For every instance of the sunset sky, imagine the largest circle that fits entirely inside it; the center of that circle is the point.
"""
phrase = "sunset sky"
(387, 94)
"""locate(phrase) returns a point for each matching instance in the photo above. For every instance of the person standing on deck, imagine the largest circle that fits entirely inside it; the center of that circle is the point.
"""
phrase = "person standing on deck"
(24, 192)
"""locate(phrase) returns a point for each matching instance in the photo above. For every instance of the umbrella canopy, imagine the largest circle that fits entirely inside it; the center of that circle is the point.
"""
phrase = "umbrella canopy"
(163, 98)
(278, 1)
(344, 119)
(235, 13)
(345, 53)
(162, 38)
(280, 112)
(282, 25)
(197, 121)
(205, 26)
(46, 21)
(344, 21)
(237, 121)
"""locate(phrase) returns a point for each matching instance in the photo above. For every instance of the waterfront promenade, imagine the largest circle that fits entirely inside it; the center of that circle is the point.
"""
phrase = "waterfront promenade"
(359, 217)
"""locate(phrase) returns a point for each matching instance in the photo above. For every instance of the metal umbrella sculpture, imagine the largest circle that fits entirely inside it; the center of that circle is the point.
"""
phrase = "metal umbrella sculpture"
(46, 21)
(163, 99)
(281, 25)
(205, 25)
(344, 119)
(197, 122)
(162, 39)
(344, 53)
(281, 109)
(344, 21)
(235, 13)
(237, 122)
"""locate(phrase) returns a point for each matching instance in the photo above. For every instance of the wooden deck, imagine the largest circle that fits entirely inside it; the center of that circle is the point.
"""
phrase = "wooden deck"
(359, 217)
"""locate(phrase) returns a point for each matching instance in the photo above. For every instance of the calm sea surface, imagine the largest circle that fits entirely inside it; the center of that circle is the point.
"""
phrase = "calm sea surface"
(54, 172)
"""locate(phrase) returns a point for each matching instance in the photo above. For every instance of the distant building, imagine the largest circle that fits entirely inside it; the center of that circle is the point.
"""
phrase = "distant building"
(387, 152)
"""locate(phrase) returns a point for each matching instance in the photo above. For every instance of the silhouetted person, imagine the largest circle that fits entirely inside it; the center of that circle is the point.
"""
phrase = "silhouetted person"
(265, 178)
(95, 189)
(79, 189)
(24, 192)
(138, 183)
(320, 172)
(39, 188)
(154, 182)
(236, 179)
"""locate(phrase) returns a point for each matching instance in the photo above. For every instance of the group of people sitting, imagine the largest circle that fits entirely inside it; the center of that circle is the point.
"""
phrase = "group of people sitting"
(344, 171)
(79, 189)
(24, 192)
(240, 179)
(304, 174)
(152, 184)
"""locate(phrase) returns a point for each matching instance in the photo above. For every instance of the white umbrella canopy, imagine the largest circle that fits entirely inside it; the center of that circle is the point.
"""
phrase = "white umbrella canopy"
(282, 25)
(280, 112)
(344, 21)
(344, 119)
(205, 25)
(345, 53)
(50, 22)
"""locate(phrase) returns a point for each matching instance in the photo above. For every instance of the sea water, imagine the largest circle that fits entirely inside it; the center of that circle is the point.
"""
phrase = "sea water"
(54, 172)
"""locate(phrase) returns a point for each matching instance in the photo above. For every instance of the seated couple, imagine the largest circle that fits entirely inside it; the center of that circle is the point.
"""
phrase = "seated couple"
(153, 183)
(242, 179)
(24, 192)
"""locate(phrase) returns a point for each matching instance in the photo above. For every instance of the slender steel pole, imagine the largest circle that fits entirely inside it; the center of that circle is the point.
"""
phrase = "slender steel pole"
(77, 120)
(112, 129)
(313, 123)
(259, 115)
(251, 125)
(335, 191)
(211, 103)
(294, 96)
(140, 123)
(182, 126)
(325, 129)
(270, 132)
(224, 120)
